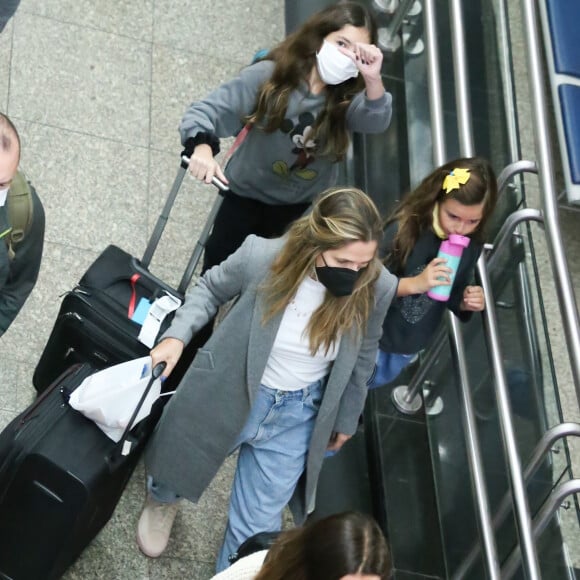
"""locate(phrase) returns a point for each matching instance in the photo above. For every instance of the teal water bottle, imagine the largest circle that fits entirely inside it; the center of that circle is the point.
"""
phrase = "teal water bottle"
(451, 250)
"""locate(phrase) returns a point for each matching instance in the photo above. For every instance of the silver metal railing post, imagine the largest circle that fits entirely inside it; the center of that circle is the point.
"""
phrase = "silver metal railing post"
(521, 506)
(508, 172)
(466, 143)
(389, 38)
(473, 449)
(541, 521)
(562, 281)
(544, 445)
(407, 399)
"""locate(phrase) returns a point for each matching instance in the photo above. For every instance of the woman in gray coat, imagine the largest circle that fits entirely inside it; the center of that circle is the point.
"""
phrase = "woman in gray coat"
(283, 378)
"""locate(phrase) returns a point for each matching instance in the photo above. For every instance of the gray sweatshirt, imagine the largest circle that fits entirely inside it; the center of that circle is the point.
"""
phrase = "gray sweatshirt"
(277, 168)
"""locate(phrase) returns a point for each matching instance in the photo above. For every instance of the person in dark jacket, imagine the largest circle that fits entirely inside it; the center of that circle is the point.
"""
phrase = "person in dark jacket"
(21, 229)
(7, 10)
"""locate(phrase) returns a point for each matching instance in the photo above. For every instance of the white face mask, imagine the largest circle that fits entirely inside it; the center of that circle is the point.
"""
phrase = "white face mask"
(3, 195)
(334, 67)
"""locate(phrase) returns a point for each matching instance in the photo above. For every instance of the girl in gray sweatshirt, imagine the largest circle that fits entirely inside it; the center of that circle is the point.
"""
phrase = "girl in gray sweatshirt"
(293, 113)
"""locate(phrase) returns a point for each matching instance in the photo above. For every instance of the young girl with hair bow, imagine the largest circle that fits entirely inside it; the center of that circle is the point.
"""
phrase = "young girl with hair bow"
(457, 198)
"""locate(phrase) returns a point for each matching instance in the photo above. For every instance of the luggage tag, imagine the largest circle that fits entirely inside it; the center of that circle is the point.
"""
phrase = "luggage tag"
(156, 314)
(141, 311)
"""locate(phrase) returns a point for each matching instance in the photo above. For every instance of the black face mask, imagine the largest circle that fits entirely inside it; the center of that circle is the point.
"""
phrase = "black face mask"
(338, 281)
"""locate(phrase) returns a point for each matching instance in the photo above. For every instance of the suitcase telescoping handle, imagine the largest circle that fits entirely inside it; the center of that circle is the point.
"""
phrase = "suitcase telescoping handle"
(164, 216)
(123, 447)
(203, 237)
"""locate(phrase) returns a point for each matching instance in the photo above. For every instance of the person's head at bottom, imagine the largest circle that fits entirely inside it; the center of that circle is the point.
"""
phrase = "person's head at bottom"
(345, 546)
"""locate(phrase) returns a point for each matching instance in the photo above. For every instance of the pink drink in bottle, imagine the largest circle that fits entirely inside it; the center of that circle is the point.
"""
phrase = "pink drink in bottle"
(451, 250)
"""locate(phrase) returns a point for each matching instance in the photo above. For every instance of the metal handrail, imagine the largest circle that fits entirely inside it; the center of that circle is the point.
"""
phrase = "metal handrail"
(388, 37)
(406, 398)
(541, 521)
(543, 446)
(563, 286)
(513, 169)
(474, 454)
(527, 316)
(461, 73)
(466, 145)
(434, 76)
(515, 476)
(507, 79)
(549, 198)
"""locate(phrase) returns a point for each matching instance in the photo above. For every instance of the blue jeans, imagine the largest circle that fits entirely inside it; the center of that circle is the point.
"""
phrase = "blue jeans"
(273, 448)
(388, 367)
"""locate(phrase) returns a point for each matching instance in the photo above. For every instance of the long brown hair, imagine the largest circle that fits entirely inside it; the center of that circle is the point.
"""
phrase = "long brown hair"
(294, 59)
(414, 212)
(328, 549)
(339, 216)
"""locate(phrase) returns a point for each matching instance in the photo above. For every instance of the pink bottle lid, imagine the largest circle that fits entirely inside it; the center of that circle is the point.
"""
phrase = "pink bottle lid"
(459, 240)
(454, 245)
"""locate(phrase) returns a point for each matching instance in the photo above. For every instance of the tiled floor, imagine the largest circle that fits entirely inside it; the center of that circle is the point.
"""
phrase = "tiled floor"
(97, 90)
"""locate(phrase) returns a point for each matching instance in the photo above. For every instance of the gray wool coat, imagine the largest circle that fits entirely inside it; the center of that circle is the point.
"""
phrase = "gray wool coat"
(200, 424)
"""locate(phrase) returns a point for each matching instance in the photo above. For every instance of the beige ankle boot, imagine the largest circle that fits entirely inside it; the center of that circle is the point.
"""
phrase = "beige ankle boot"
(154, 527)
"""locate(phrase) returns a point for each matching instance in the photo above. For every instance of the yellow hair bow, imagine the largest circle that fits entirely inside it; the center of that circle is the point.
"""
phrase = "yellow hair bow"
(456, 178)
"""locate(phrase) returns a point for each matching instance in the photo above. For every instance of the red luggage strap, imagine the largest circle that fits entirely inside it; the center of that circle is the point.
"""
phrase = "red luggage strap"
(133, 300)
(240, 137)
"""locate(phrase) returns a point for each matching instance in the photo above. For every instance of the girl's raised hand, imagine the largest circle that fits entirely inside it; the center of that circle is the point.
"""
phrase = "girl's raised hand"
(473, 299)
(368, 59)
(203, 166)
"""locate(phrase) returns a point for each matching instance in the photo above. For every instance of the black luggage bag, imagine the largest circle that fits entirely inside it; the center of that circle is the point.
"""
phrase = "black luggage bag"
(94, 323)
(60, 480)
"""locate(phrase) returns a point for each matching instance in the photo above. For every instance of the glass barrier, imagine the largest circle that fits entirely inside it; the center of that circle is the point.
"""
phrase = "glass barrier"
(534, 402)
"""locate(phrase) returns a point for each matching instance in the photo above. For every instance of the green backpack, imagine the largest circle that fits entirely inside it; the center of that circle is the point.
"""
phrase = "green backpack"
(20, 209)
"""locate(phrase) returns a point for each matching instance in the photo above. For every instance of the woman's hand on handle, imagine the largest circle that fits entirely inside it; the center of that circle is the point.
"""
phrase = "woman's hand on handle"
(169, 350)
(203, 166)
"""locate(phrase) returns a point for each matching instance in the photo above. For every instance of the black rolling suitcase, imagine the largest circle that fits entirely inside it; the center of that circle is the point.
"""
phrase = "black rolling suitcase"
(60, 480)
(94, 322)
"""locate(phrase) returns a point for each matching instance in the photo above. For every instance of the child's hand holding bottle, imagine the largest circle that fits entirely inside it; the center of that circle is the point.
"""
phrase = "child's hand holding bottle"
(436, 273)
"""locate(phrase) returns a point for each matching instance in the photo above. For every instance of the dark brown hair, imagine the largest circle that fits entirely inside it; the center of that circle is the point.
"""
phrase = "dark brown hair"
(328, 549)
(295, 58)
(414, 212)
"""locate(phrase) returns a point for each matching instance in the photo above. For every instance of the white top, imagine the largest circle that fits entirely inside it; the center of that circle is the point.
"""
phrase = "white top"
(291, 366)
(245, 569)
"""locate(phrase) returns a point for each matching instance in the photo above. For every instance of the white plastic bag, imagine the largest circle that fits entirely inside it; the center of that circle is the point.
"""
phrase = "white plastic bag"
(109, 397)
